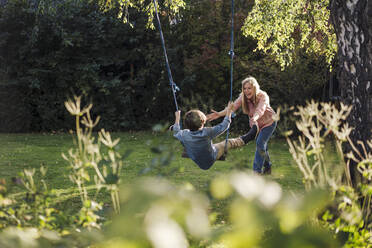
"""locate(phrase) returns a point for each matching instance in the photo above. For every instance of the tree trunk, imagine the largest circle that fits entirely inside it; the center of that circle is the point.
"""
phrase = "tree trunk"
(352, 23)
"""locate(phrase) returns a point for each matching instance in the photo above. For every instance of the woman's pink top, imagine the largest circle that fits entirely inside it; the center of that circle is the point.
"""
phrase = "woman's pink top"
(262, 114)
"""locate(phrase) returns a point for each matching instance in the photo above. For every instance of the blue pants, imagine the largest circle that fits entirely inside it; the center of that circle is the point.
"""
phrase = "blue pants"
(261, 157)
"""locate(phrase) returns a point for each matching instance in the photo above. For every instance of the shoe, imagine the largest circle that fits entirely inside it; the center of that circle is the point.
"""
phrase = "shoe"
(267, 171)
(235, 143)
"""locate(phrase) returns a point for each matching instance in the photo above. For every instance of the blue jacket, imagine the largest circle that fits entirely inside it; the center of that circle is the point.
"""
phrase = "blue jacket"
(198, 144)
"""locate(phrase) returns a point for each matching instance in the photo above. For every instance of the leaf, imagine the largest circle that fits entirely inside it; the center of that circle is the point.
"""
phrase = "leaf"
(111, 179)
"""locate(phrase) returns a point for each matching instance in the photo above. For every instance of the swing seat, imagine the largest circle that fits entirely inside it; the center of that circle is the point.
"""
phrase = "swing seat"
(184, 154)
(222, 158)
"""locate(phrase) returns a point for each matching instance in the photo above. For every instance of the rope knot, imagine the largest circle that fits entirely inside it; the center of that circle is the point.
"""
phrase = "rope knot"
(174, 86)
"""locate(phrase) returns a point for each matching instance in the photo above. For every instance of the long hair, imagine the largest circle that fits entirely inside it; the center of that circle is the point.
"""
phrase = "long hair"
(252, 81)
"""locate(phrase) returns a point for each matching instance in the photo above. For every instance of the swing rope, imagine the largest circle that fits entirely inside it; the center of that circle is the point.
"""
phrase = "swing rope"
(173, 86)
(231, 53)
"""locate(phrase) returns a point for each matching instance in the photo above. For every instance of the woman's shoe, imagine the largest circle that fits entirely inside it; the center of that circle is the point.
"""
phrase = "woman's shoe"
(267, 171)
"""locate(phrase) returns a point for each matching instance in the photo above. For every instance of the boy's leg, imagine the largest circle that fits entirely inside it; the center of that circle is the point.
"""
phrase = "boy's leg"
(231, 144)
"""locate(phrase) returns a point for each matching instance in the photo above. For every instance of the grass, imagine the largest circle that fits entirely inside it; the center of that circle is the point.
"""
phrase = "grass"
(22, 151)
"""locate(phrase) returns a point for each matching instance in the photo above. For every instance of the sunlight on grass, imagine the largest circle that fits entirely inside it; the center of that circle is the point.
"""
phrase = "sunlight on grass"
(22, 151)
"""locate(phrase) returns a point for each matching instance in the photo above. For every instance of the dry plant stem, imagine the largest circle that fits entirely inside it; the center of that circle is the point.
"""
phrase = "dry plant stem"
(306, 165)
(368, 208)
(301, 159)
(77, 123)
(88, 155)
(81, 191)
(346, 165)
(364, 148)
(30, 184)
(314, 118)
(115, 199)
(98, 172)
(355, 149)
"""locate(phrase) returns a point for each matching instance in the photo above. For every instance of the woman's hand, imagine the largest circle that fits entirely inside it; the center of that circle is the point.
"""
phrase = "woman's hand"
(212, 116)
(230, 106)
(229, 109)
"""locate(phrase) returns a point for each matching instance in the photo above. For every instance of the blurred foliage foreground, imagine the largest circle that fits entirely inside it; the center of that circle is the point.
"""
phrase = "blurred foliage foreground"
(333, 212)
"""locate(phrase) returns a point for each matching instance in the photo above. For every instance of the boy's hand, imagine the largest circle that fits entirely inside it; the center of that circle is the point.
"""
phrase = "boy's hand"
(177, 114)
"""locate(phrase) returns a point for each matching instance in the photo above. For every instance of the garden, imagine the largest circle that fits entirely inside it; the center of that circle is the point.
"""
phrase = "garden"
(88, 157)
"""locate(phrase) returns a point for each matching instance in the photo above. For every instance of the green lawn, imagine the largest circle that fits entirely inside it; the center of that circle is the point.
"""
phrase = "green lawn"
(20, 151)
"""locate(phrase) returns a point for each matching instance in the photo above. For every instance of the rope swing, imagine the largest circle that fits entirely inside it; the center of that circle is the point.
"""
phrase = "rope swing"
(231, 53)
(173, 86)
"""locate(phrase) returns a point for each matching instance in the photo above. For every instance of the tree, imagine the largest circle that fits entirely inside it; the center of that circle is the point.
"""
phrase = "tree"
(324, 27)
(50, 50)
(352, 23)
(171, 7)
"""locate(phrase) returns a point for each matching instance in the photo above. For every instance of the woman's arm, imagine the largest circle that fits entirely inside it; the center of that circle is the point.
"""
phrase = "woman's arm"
(263, 102)
(224, 125)
(215, 115)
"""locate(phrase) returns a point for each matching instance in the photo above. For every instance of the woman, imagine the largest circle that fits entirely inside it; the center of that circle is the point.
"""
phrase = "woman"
(256, 104)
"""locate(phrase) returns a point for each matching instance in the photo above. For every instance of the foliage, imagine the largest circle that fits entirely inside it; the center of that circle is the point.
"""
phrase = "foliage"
(260, 214)
(73, 47)
(125, 6)
(35, 209)
(38, 208)
(352, 217)
(89, 155)
(56, 50)
(316, 122)
(151, 207)
(255, 207)
(283, 27)
(350, 209)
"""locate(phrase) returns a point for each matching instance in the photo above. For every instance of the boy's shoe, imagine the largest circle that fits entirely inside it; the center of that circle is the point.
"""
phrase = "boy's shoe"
(237, 142)
(267, 171)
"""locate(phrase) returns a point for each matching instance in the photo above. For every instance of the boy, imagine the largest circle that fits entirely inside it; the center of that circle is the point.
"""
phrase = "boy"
(197, 139)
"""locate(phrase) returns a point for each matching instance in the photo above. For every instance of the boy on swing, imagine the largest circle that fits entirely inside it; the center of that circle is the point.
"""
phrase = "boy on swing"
(197, 139)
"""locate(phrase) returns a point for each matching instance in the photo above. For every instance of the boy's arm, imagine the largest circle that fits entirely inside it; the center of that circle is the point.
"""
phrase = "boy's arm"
(176, 126)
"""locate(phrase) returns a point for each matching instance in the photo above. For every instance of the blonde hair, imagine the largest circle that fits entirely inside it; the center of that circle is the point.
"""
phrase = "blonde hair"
(194, 119)
(252, 81)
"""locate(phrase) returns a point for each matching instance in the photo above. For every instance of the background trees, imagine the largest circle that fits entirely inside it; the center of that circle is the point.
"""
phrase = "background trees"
(50, 51)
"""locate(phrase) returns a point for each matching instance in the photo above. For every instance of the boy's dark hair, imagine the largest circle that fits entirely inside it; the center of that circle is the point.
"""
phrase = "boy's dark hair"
(194, 119)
